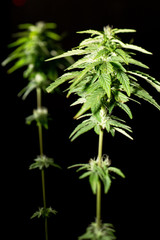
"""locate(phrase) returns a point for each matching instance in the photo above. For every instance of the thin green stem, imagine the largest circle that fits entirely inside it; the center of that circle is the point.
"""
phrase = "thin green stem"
(40, 139)
(44, 203)
(98, 204)
(39, 98)
(39, 102)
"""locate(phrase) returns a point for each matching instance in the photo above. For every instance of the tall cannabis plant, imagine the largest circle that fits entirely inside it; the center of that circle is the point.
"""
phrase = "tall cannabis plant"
(104, 79)
(33, 44)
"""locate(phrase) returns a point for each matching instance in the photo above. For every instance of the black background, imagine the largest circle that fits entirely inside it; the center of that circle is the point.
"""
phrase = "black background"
(132, 205)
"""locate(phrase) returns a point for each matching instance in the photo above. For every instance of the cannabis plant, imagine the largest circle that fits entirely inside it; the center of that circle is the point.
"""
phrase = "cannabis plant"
(104, 79)
(33, 44)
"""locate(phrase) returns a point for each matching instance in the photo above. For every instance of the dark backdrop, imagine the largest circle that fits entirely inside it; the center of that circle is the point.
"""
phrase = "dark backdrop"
(132, 205)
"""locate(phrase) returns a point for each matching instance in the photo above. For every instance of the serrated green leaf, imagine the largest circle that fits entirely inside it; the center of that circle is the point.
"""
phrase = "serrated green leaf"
(77, 165)
(131, 46)
(118, 66)
(122, 54)
(152, 81)
(84, 175)
(81, 125)
(120, 97)
(92, 32)
(108, 126)
(109, 67)
(82, 74)
(123, 132)
(141, 93)
(65, 77)
(105, 81)
(124, 80)
(117, 171)
(91, 101)
(116, 30)
(119, 124)
(68, 54)
(93, 180)
(138, 63)
(82, 128)
(90, 41)
(107, 184)
(97, 129)
(126, 109)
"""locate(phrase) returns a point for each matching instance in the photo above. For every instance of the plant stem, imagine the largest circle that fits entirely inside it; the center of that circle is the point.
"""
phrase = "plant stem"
(98, 205)
(39, 100)
(40, 139)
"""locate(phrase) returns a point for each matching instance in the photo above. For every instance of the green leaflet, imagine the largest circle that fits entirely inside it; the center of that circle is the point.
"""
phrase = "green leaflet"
(68, 54)
(117, 65)
(138, 63)
(92, 32)
(93, 180)
(20, 63)
(120, 97)
(90, 42)
(118, 124)
(109, 67)
(25, 25)
(50, 25)
(84, 73)
(18, 42)
(152, 81)
(53, 36)
(115, 124)
(116, 30)
(126, 109)
(105, 81)
(117, 171)
(122, 54)
(91, 100)
(124, 80)
(65, 77)
(137, 48)
(123, 132)
(131, 46)
(143, 94)
(83, 127)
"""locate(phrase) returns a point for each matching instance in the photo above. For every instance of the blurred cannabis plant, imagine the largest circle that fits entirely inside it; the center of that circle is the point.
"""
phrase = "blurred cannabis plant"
(104, 79)
(33, 44)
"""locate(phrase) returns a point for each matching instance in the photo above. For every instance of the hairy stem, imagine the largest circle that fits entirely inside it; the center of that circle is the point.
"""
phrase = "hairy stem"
(39, 100)
(98, 205)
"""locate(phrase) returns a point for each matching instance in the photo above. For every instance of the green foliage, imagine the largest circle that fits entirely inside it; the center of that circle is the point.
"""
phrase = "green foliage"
(102, 120)
(44, 212)
(104, 79)
(104, 232)
(40, 115)
(42, 162)
(96, 173)
(34, 44)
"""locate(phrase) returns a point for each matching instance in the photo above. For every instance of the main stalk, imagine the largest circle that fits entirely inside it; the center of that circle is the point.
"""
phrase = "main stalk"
(39, 105)
(98, 204)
